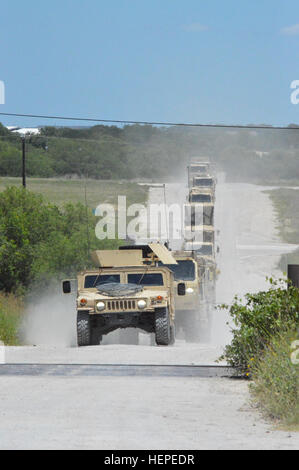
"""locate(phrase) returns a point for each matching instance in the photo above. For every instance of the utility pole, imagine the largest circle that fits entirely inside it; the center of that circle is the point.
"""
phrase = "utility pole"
(24, 160)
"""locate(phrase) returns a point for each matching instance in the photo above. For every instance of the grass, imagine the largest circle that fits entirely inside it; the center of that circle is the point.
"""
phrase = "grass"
(276, 381)
(11, 309)
(286, 206)
(59, 191)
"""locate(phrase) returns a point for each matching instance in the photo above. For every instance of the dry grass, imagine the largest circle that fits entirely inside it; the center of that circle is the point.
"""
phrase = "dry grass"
(11, 309)
(276, 381)
(59, 191)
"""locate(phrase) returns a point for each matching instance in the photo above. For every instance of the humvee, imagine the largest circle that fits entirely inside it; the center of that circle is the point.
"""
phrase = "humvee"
(190, 304)
(198, 169)
(204, 182)
(201, 249)
(191, 309)
(127, 290)
(201, 196)
(204, 233)
(198, 213)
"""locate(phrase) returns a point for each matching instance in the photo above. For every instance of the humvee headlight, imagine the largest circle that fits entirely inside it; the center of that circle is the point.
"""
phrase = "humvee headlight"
(100, 306)
(83, 302)
(190, 290)
(141, 304)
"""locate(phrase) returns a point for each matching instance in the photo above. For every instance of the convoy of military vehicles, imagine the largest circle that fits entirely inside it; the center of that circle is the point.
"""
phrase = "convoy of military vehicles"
(151, 288)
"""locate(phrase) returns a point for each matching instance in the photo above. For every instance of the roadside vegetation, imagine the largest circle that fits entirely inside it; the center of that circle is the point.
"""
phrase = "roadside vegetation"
(265, 327)
(275, 378)
(11, 309)
(286, 204)
(60, 191)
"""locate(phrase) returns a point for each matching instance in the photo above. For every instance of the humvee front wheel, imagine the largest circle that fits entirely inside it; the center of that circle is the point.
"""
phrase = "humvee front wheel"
(83, 329)
(162, 327)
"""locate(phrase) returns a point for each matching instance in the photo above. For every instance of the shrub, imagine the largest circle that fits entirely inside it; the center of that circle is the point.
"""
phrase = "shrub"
(259, 319)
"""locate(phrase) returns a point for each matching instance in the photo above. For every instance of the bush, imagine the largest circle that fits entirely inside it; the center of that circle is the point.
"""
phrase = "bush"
(263, 315)
(276, 380)
(10, 314)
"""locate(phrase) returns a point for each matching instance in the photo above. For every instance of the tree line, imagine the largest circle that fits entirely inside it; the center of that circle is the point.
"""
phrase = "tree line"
(149, 152)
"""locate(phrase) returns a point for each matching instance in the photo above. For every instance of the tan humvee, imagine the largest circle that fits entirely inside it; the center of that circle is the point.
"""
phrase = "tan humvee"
(198, 213)
(201, 249)
(204, 254)
(203, 233)
(199, 168)
(127, 290)
(190, 298)
(203, 182)
(201, 196)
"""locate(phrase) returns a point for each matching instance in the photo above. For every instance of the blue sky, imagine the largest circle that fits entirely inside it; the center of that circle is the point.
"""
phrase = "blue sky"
(228, 62)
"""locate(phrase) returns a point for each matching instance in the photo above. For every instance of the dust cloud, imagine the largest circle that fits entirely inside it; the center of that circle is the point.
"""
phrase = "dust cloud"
(50, 320)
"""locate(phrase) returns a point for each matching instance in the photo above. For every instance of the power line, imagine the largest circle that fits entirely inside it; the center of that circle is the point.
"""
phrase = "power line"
(151, 123)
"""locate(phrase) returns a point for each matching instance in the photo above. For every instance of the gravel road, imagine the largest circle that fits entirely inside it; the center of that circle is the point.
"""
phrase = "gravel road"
(150, 412)
(132, 413)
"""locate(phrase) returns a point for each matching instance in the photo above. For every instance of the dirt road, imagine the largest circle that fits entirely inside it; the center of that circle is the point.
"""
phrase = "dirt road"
(132, 413)
(150, 412)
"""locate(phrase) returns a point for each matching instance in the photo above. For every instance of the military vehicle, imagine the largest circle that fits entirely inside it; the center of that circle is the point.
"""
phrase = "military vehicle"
(191, 308)
(201, 196)
(204, 182)
(204, 255)
(199, 214)
(198, 169)
(129, 289)
(203, 233)
(190, 304)
(201, 249)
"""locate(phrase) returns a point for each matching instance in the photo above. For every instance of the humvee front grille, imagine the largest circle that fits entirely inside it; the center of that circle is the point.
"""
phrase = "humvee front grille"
(120, 305)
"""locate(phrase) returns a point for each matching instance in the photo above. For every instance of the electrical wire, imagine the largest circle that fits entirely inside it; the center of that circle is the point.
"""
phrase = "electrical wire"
(150, 123)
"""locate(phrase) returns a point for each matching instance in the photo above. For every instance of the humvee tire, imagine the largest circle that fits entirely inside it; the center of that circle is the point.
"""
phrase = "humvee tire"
(86, 335)
(162, 327)
(83, 329)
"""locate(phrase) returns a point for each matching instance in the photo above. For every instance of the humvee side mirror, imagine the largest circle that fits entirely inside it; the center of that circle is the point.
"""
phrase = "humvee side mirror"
(182, 289)
(66, 287)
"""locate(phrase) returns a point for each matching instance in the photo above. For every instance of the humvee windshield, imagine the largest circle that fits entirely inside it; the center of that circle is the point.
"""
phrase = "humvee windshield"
(94, 280)
(203, 182)
(201, 198)
(183, 271)
(152, 279)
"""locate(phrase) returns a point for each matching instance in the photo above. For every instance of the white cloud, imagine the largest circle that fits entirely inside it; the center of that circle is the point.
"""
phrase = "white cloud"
(195, 28)
(291, 30)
